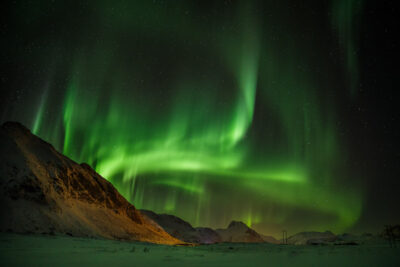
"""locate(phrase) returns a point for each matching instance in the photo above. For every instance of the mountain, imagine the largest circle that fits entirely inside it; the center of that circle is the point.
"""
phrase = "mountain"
(182, 230)
(43, 191)
(239, 232)
(208, 235)
(178, 228)
(270, 239)
(311, 238)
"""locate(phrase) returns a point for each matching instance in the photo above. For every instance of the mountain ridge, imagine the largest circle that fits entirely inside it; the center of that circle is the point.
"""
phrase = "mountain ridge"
(43, 191)
(183, 230)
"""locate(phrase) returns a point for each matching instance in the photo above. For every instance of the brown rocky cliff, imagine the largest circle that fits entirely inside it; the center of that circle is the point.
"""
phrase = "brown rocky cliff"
(44, 191)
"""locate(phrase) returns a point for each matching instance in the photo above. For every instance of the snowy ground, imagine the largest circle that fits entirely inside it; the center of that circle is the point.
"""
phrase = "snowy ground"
(38, 250)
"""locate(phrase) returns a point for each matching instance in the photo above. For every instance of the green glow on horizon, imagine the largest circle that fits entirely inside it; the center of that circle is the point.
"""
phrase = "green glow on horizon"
(197, 146)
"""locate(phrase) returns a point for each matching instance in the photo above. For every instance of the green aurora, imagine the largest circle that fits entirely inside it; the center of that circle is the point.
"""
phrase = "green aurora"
(213, 119)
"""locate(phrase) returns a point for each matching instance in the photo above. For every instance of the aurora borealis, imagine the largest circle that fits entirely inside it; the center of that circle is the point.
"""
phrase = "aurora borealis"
(219, 111)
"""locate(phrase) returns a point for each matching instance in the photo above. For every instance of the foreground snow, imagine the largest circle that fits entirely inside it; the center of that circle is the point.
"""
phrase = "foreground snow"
(38, 250)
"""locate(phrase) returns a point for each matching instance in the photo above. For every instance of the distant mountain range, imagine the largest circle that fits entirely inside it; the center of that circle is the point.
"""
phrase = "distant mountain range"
(235, 232)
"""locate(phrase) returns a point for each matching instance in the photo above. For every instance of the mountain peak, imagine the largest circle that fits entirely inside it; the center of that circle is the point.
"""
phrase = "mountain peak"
(239, 232)
(15, 128)
(236, 224)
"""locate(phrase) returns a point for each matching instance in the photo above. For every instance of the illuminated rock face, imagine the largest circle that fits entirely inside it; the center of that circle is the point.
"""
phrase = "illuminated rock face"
(43, 191)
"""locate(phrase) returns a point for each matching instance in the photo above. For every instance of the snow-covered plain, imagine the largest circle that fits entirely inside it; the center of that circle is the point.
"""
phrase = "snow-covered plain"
(42, 250)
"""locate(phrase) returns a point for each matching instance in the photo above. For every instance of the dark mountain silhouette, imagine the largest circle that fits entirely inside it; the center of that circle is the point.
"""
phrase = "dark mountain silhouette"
(182, 230)
(239, 232)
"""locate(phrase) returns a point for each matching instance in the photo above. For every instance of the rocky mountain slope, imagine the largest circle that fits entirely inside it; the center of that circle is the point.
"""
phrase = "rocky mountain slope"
(42, 191)
(182, 230)
(270, 239)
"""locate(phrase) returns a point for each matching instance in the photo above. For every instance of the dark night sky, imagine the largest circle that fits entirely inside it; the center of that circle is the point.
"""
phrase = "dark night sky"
(274, 113)
(373, 128)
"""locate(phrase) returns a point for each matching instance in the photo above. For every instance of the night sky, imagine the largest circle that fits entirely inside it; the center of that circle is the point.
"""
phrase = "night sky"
(279, 114)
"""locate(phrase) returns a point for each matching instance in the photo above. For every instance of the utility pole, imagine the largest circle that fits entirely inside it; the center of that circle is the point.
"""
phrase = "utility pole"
(284, 237)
